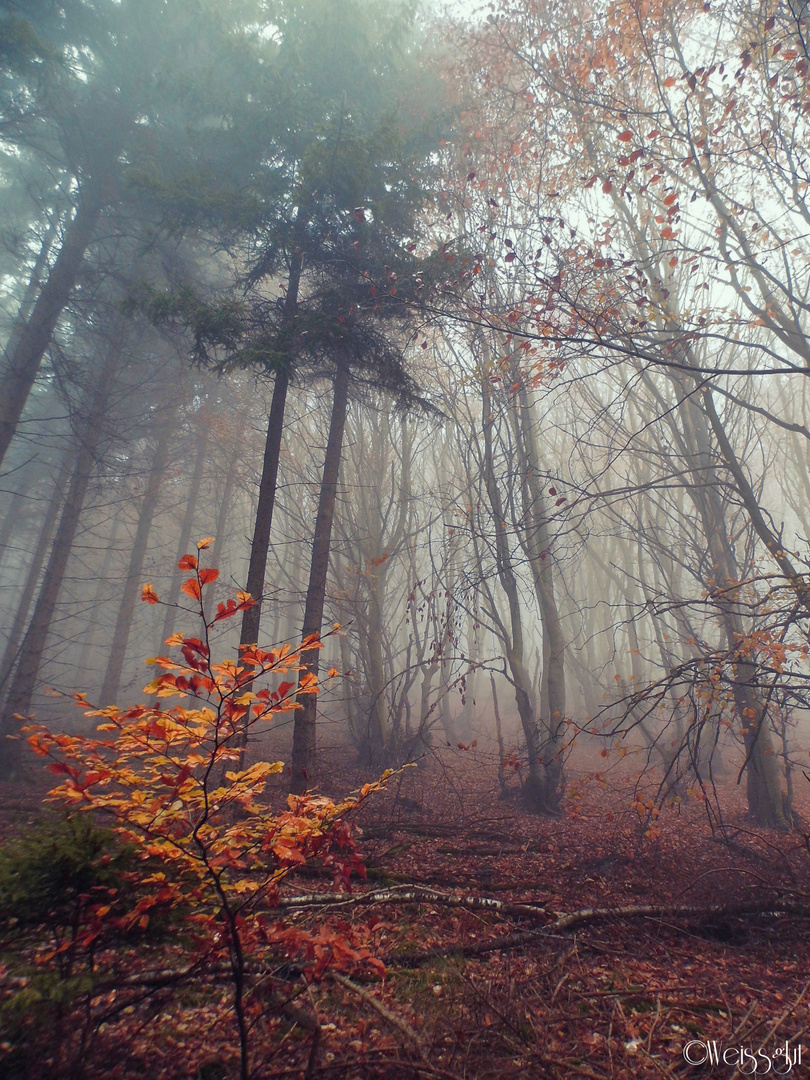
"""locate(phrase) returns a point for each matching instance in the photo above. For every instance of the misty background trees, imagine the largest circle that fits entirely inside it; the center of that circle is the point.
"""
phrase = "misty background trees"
(493, 354)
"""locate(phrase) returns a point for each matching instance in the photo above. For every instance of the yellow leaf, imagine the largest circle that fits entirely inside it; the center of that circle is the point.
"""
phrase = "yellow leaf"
(205, 543)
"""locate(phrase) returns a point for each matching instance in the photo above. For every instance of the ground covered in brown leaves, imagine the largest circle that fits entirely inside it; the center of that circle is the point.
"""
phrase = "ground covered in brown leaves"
(599, 944)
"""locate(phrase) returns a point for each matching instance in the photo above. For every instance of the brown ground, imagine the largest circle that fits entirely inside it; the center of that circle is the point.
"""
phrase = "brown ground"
(475, 993)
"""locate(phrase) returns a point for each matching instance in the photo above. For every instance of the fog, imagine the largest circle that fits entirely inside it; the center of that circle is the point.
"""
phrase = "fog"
(439, 352)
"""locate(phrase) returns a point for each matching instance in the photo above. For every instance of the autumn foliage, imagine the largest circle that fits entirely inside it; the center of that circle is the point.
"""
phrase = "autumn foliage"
(168, 774)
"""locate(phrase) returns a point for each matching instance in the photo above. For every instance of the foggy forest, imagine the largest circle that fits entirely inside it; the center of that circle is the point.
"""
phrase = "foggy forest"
(404, 539)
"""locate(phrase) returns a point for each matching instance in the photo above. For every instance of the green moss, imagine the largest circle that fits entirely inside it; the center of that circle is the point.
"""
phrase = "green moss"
(63, 858)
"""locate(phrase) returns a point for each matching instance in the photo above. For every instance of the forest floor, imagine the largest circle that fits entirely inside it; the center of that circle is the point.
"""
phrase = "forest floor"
(614, 944)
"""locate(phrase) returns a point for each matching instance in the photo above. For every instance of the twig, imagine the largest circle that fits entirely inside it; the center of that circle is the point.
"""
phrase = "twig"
(401, 1025)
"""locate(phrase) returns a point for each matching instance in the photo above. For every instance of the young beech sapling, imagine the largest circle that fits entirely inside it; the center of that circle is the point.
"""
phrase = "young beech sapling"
(216, 854)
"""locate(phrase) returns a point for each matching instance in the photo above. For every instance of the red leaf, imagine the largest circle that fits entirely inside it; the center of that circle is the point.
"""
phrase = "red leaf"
(552, 491)
(209, 575)
(191, 587)
(510, 257)
(188, 562)
(626, 136)
(561, 500)
(607, 187)
(284, 688)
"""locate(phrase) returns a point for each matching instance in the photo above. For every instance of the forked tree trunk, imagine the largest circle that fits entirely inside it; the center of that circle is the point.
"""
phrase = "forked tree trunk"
(21, 691)
(132, 582)
(304, 730)
(541, 789)
(764, 789)
(541, 562)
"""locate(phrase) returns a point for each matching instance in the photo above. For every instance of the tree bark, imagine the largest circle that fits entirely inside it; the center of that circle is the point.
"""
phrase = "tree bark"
(303, 754)
(540, 792)
(35, 570)
(260, 544)
(29, 342)
(541, 563)
(18, 702)
(185, 535)
(126, 609)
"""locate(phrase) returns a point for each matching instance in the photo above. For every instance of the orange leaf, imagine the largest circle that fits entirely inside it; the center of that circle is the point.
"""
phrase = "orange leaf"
(626, 136)
(670, 81)
(191, 587)
(149, 595)
(205, 543)
(285, 853)
(188, 562)
(207, 576)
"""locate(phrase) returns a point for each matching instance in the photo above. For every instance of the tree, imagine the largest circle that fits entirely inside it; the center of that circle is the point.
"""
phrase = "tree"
(610, 130)
(103, 121)
(18, 701)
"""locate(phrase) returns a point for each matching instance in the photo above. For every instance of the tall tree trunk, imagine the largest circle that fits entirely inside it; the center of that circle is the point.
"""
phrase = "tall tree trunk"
(224, 507)
(303, 753)
(541, 562)
(700, 421)
(185, 535)
(764, 790)
(35, 570)
(260, 544)
(32, 289)
(11, 521)
(28, 344)
(126, 609)
(251, 619)
(18, 702)
(89, 643)
(537, 786)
